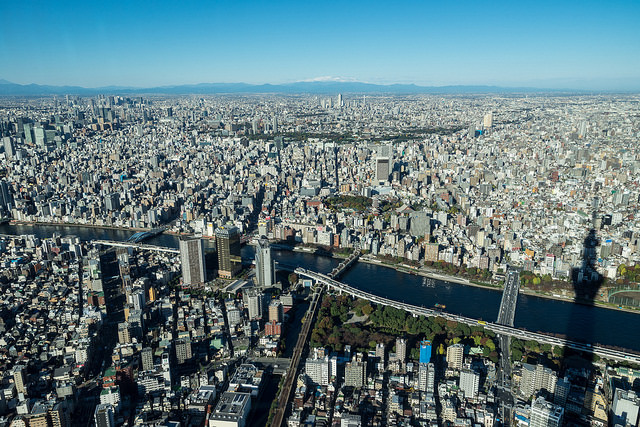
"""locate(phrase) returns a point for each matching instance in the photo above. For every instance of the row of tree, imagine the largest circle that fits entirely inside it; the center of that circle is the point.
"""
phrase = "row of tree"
(383, 324)
(356, 203)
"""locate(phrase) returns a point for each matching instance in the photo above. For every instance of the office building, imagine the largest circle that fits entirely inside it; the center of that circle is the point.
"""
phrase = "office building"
(6, 200)
(194, 272)
(383, 169)
(228, 244)
(146, 357)
(455, 356)
(545, 414)
(247, 379)
(9, 148)
(104, 415)
(625, 408)
(112, 202)
(232, 410)
(265, 267)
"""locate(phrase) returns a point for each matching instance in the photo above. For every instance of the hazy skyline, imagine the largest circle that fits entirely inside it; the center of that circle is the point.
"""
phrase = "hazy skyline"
(588, 45)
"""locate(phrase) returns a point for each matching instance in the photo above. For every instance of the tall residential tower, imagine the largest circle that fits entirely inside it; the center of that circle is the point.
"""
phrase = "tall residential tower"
(194, 272)
(265, 269)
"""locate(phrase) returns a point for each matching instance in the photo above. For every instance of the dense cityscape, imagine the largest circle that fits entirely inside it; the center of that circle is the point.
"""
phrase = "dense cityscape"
(190, 306)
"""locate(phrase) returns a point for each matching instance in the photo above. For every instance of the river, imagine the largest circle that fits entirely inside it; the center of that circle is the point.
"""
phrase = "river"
(579, 322)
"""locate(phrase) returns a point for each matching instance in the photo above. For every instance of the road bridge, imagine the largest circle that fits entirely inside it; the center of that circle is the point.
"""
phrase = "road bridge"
(507, 312)
(342, 267)
(506, 317)
(494, 327)
(136, 245)
(284, 266)
(144, 235)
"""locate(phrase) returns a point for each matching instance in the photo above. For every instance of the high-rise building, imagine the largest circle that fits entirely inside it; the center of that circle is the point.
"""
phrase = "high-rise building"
(383, 164)
(20, 378)
(276, 311)
(383, 170)
(455, 356)
(265, 267)
(194, 272)
(426, 377)
(545, 414)
(626, 405)
(380, 352)
(228, 243)
(355, 372)
(254, 302)
(469, 383)
(488, 120)
(563, 386)
(59, 415)
(6, 200)
(183, 350)
(124, 333)
(582, 129)
(104, 415)
(537, 377)
(425, 351)
(112, 202)
(401, 349)
(318, 370)
(146, 356)
(9, 148)
(422, 376)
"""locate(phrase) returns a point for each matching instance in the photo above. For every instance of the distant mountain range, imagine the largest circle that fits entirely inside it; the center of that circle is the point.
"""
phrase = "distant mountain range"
(313, 87)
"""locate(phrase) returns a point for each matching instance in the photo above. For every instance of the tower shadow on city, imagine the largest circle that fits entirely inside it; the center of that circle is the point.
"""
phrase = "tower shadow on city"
(586, 282)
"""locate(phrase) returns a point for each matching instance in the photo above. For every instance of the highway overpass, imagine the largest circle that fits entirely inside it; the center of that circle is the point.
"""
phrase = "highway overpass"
(494, 327)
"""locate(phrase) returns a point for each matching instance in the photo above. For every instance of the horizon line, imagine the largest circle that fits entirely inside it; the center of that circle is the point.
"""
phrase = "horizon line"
(345, 81)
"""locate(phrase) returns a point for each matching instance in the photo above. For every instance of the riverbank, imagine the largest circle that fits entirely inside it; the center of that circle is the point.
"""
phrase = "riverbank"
(73, 224)
(420, 271)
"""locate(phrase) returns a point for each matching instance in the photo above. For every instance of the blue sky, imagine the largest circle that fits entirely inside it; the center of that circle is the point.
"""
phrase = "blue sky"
(586, 44)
